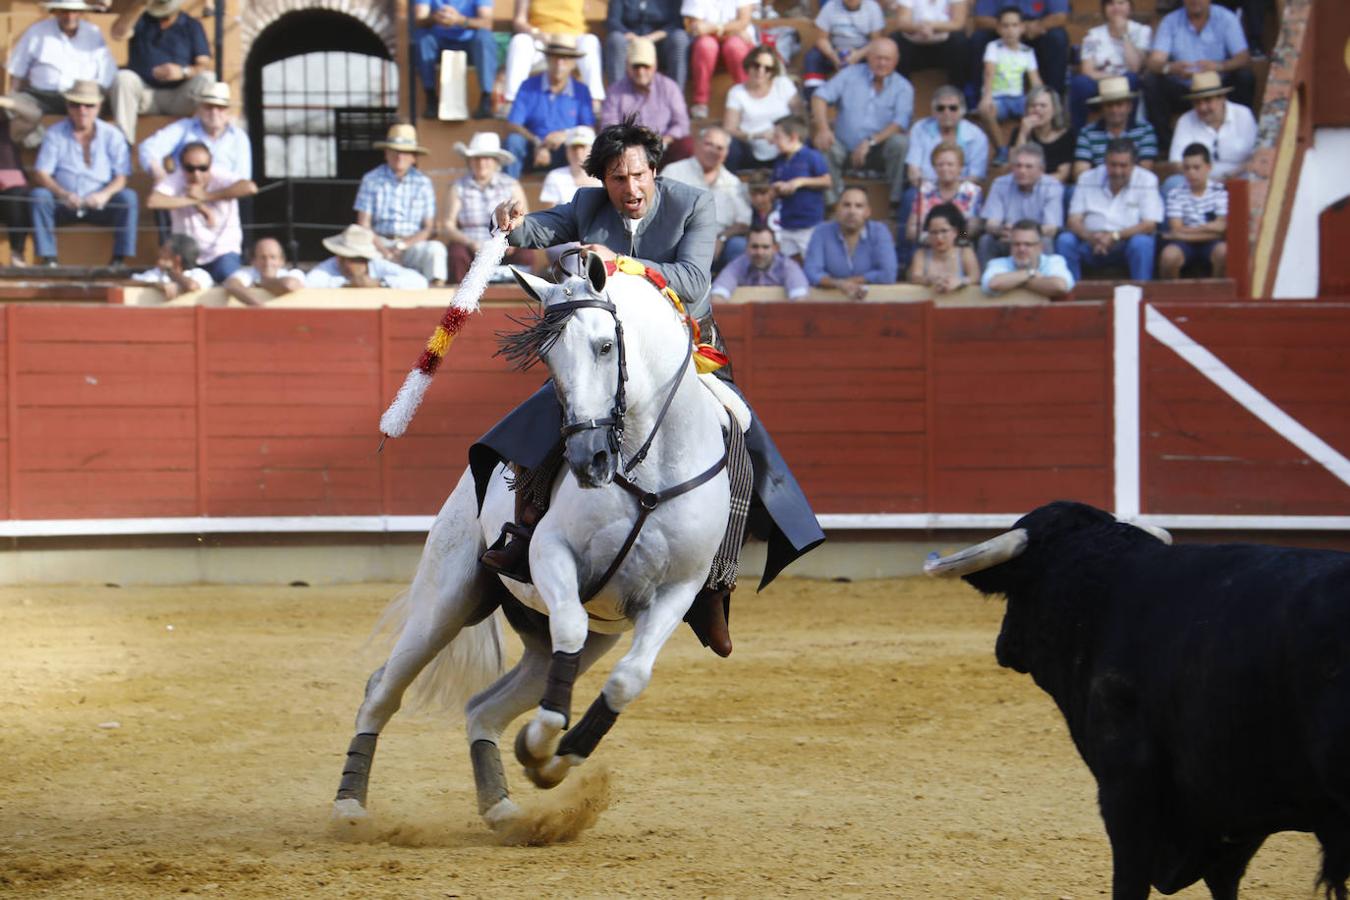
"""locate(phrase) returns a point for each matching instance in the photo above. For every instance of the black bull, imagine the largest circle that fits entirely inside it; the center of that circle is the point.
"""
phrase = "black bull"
(1206, 687)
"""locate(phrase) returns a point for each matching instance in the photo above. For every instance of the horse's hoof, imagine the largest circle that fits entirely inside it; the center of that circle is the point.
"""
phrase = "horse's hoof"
(501, 814)
(550, 774)
(528, 738)
(349, 810)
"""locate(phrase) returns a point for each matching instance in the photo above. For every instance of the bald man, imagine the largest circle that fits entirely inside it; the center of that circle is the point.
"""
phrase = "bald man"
(268, 277)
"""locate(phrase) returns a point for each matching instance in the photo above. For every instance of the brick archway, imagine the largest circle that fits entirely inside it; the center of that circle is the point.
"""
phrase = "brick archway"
(375, 16)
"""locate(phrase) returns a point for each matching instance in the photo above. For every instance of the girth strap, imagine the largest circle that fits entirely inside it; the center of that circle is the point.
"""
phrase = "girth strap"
(647, 502)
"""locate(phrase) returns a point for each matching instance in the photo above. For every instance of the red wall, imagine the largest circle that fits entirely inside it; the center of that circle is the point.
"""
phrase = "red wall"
(880, 408)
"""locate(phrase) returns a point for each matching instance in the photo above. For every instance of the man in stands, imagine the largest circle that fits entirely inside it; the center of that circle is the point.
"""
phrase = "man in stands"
(176, 271)
(874, 104)
(1044, 30)
(398, 202)
(455, 25)
(1028, 268)
(1024, 194)
(203, 202)
(46, 61)
(1116, 102)
(948, 125)
(268, 277)
(932, 35)
(1226, 129)
(357, 262)
(1114, 216)
(540, 23)
(168, 64)
(762, 265)
(655, 99)
(211, 125)
(547, 107)
(1197, 37)
(706, 170)
(853, 251)
(81, 173)
(658, 21)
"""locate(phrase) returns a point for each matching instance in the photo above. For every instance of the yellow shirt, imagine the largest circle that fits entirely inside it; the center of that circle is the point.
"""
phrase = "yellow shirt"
(558, 16)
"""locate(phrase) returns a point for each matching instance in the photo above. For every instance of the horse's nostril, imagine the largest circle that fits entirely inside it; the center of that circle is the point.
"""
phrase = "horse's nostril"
(599, 459)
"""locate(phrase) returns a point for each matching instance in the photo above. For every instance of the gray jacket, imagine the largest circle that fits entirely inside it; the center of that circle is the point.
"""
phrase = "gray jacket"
(677, 235)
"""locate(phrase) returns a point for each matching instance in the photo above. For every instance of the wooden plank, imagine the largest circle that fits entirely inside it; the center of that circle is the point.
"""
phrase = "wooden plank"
(993, 422)
(824, 416)
(1023, 323)
(1063, 357)
(1016, 388)
(114, 494)
(136, 358)
(1010, 489)
(1239, 487)
(270, 389)
(320, 451)
(879, 386)
(106, 453)
(80, 326)
(93, 388)
(291, 420)
(280, 492)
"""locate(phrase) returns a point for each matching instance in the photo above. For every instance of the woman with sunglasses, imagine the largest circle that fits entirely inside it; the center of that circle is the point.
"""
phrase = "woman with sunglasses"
(944, 265)
(1044, 124)
(766, 96)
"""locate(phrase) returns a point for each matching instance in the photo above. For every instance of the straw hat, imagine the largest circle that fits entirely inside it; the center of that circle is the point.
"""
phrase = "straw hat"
(86, 92)
(217, 93)
(485, 143)
(562, 45)
(402, 138)
(1207, 84)
(581, 136)
(162, 9)
(76, 5)
(355, 242)
(1111, 89)
(641, 52)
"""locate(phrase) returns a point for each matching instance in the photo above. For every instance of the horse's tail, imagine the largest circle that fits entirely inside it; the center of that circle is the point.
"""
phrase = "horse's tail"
(448, 573)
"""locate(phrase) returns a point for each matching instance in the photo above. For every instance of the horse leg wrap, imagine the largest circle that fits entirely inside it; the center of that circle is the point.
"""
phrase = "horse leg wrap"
(356, 771)
(488, 775)
(562, 674)
(597, 722)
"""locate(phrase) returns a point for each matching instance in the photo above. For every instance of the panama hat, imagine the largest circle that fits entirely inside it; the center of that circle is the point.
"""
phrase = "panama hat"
(562, 45)
(86, 92)
(641, 52)
(355, 242)
(76, 5)
(1112, 89)
(485, 143)
(162, 9)
(217, 93)
(402, 138)
(1207, 84)
(581, 136)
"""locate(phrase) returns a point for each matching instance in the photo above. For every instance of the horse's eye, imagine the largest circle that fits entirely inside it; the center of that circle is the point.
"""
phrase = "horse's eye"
(606, 347)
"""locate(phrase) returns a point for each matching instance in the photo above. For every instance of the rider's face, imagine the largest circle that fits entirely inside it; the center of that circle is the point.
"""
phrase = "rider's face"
(631, 183)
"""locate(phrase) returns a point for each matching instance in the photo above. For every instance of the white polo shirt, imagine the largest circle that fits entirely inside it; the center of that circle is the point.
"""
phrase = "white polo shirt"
(1230, 145)
(49, 61)
(1102, 210)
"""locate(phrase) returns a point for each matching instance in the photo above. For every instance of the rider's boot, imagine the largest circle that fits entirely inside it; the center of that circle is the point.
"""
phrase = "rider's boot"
(510, 556)
(708, 617)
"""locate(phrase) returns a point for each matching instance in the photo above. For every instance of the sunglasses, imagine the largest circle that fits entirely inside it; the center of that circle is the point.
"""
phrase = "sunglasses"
(947, 107)
(763, 67)
(190, 168)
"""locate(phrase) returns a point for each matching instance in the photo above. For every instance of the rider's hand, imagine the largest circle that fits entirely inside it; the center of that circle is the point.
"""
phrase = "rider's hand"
(508, 215)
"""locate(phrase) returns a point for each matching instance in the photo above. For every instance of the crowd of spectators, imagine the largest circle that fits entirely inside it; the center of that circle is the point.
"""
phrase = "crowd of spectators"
(1123, 172)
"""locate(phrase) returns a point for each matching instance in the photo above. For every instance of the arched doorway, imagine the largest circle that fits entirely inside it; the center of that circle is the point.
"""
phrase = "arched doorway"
(319, 89)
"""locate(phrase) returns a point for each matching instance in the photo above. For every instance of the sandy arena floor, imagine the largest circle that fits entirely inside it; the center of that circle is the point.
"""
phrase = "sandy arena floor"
(861, 741)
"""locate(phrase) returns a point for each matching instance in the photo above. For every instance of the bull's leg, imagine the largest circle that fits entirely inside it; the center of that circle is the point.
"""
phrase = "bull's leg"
(1227, 867)
(630, 676)
(1129, 824)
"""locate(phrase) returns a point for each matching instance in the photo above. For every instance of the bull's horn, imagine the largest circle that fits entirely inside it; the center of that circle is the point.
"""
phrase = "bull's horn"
(1161, 534)
(980, 557)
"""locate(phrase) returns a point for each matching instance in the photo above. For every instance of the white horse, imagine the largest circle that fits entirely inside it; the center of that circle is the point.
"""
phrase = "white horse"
(619, 385)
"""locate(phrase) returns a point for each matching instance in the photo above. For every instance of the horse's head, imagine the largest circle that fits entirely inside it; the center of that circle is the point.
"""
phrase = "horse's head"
(579, 337)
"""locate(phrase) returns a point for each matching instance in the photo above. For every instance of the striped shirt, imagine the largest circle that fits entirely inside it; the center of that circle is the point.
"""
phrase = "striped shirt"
(1093, 139)
(477, 201)
(1192, 210)
(397, 206)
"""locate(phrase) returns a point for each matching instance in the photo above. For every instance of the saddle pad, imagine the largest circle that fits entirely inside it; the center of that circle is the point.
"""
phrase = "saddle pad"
(728, 398)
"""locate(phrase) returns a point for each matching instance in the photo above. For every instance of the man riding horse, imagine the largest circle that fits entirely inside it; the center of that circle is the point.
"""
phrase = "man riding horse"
(670, 227)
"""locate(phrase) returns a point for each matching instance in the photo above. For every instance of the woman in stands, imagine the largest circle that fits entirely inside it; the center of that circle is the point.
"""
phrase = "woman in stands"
(944, 265)
(1117, 48)
(1044, 124)
(948, 160)
(716, 27)
(471, 200)
(767, 95)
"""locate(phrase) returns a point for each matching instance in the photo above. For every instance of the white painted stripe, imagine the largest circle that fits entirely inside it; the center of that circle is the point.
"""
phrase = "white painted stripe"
(1232, 384)
(1126, 351)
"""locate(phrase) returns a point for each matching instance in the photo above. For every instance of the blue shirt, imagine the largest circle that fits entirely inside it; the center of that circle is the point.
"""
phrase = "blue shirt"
(1031, 9)
(925, 135)
(458, 33)
(1220, 39)
(643, 16)
(1007, 204)
(804, 208)
(873, 258)
(231, 152)
(863, 111)
(150, 45)
(391, 275)
(397, 206)
(62, 157)
(1050, 264)
(541, 111)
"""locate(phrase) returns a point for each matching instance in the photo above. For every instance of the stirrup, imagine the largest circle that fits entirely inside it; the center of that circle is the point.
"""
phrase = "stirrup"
(510, 558)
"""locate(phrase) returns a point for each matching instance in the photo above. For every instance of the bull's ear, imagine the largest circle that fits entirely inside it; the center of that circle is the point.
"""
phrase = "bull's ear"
(537, 288)
(595, 272)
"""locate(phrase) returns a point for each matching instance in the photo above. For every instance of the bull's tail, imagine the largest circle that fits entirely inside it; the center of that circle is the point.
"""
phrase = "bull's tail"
(1335, 864)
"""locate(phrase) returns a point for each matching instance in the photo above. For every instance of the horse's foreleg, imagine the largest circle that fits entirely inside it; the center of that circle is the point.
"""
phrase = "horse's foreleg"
(556, 577)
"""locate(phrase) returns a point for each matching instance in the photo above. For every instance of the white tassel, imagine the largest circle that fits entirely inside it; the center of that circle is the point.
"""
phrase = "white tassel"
(399, 415)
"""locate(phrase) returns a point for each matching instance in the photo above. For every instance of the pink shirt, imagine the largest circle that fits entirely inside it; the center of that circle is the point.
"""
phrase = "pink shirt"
(226, 235)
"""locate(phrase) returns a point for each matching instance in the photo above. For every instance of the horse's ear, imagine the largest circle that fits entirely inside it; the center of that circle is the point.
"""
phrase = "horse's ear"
(536, 287)
(595, 272)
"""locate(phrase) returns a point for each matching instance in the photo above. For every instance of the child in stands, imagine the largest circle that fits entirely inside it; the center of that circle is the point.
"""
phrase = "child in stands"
(800, 179)
(1197, 218)
(1008, 65)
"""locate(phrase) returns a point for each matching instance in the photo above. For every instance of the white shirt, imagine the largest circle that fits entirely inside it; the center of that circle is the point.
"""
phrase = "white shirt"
(731, 198)
(759, 113)
(1230, 146)
(930, 11)
(719, 12)
(49, 61)
(159, 276)
(1010, 67)
(559, 185)
(215, 239)
(1108, 53)
(1101, 210)
(248, 275)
